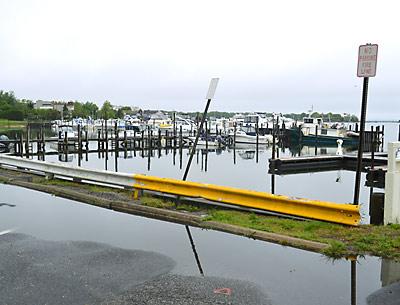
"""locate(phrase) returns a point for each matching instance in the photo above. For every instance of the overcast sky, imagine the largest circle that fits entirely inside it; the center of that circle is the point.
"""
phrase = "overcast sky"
(281, 56)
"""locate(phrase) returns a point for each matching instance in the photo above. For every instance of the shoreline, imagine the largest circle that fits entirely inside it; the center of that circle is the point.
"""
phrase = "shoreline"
(319, 237)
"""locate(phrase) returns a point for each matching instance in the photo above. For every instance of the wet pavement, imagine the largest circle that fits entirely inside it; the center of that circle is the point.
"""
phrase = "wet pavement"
(36, 271)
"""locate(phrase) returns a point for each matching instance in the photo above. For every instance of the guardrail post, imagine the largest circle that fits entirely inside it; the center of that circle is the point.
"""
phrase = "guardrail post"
(49, 176)
(137, 193)
(392, 185)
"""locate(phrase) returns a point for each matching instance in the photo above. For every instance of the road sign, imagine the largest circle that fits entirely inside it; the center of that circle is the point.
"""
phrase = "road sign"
(367, 57)
(212, 88)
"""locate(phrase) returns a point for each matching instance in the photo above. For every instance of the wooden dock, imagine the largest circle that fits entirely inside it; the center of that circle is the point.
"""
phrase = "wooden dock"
(289, 165)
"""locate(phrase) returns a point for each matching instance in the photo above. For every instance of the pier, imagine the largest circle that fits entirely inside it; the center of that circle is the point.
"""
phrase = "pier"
(293, 165)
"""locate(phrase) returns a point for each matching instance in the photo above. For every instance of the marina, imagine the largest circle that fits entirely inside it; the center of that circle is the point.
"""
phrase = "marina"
(246, 163)
(199, 153)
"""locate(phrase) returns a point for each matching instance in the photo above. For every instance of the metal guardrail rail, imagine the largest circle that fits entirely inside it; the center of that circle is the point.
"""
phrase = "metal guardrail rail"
(327, 211)
(77, 173)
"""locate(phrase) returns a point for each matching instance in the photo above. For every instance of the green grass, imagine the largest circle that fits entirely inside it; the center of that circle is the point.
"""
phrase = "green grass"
(342, 240)
(336, 249)
(187, 207)
(89, 187)
(165, 204)
(156, 203)
(11, 124)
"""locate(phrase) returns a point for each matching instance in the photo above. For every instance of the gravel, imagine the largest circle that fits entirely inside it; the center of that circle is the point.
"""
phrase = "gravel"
(192, 290)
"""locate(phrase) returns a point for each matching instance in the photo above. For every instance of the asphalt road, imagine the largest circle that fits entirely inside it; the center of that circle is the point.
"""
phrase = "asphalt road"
(389, 295)
(34, 271)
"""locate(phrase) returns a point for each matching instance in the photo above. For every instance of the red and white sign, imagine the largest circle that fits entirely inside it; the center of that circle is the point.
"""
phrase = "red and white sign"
(367, 57)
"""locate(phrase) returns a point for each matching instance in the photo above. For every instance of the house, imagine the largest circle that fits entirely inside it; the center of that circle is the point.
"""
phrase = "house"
(43, 105)
(56, 105)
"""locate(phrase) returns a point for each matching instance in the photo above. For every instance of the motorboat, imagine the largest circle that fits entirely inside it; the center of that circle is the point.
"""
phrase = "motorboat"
(314, 130)
(248, 135)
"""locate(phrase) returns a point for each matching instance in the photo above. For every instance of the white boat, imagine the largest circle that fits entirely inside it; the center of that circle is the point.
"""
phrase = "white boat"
(249, 136)
(243, 137)
(66, 130)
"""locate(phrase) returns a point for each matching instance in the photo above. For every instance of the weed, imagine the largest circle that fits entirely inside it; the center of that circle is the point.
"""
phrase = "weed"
(156, 202)
(336, 249)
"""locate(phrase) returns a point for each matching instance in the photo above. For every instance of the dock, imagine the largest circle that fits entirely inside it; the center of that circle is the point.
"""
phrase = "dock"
(297, 165)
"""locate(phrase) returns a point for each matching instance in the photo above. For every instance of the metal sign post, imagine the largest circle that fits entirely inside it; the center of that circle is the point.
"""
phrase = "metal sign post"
(367, 57)
(209, 96)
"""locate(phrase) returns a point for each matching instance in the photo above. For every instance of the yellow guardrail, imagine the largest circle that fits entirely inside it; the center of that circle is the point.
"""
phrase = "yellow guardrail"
(328, 211)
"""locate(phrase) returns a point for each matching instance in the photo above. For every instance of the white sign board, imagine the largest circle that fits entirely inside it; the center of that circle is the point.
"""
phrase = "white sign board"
(367, 57)
(212, 88)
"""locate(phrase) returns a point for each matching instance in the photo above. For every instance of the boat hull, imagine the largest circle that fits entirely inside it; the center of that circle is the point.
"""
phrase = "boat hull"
(246, 139)
(295, 136)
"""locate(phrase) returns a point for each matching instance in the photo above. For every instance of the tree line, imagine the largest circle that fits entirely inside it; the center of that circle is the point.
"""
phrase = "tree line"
(15, 109)
(326, 117)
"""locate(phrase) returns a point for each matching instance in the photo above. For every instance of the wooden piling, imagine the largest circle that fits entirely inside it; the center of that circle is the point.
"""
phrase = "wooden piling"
(206, 134)
(125, 145)
(116, 139)
(38, 145)
(21, 144)
(174, 128)
(378, 131)
(27, 141)
(106, 144)
(372, 147)
(234, 136)
(66, 145)
(398, 136)
(257, 139)
(180, 146)
(79, 145)
(273, 139)
(98, 142)
(86, 141)
(43, 143)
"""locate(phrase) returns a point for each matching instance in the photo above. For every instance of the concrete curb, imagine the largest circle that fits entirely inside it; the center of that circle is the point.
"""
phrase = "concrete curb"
(166, 215)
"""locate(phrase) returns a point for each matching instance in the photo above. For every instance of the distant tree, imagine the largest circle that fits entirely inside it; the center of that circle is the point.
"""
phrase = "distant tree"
(354, 118)
(107, 111)
(44, 115)
(78, 111)
(65, 112)
(121, 112)
(90, 109)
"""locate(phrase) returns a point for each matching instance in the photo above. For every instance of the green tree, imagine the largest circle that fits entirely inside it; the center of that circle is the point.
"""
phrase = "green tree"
(85, 110)
(107, 111)
(65, 113)
(78, 111)
(90, 109)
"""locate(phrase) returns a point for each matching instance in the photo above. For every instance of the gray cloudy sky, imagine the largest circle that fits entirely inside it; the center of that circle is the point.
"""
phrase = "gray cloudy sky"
(278, 56)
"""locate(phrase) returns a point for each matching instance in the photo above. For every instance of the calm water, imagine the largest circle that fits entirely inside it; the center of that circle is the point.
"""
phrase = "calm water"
(241, 169)
(287, 276)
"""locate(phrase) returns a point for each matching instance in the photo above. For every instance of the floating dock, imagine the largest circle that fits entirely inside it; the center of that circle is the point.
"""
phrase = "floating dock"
(297, 165)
